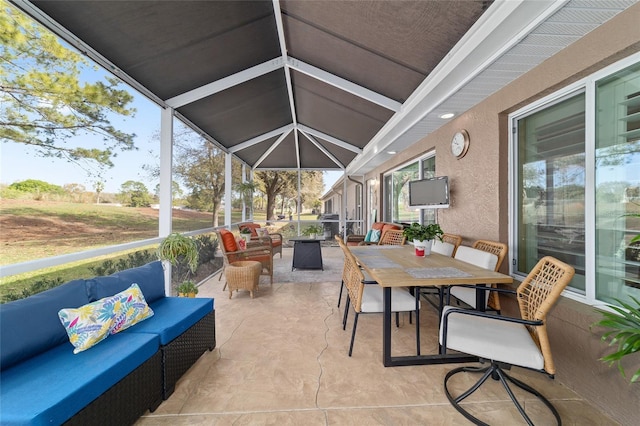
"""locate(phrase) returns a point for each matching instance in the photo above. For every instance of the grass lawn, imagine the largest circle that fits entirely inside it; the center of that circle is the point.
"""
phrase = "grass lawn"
(39, 229)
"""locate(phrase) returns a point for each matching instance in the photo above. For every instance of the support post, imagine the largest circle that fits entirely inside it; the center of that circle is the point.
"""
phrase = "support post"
(166, 166)
(227, 189)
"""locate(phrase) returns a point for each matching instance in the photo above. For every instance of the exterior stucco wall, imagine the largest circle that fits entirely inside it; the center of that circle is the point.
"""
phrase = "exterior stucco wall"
(480, 197)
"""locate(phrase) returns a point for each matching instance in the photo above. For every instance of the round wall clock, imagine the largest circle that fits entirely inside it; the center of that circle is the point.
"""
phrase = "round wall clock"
(460, 143)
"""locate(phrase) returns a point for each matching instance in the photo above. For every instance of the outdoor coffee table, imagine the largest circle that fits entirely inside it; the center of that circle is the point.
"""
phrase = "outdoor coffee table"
(307, 253)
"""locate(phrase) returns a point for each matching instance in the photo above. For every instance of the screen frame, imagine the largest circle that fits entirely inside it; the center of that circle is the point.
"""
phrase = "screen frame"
(433, 205)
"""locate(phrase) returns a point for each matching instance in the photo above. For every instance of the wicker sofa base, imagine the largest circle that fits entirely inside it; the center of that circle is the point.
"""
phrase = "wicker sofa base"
(128, 399)
(183, 351)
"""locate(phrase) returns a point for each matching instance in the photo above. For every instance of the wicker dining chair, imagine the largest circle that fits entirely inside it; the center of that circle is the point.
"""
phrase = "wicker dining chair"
(392, 237)
(468, 294)
(367, 278)
(507, 341)
(452, 239)
(366, 298)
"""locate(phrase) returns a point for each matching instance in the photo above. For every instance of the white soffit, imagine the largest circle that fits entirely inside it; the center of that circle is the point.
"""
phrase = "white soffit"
(567, 24)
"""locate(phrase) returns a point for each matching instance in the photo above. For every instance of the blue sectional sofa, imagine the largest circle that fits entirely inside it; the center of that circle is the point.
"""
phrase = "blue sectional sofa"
(114, 382)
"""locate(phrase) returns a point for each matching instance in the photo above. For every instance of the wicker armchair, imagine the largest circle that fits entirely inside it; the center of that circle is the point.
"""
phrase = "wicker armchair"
(506, 341)
(273, 238)
(261, 252)
(389, 237)
(354, 239)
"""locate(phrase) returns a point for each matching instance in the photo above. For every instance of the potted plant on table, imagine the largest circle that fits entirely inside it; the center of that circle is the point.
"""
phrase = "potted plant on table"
(187, 289)
(313, 231)
(245, 233)
(422, 236)
(182, 252)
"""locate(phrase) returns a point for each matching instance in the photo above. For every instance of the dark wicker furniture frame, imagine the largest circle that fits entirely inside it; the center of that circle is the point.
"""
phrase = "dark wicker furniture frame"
(183, 351)
(128, 399)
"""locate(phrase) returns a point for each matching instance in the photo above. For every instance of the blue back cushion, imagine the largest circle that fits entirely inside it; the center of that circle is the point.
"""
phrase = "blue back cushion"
(149, 277)
(31, 326)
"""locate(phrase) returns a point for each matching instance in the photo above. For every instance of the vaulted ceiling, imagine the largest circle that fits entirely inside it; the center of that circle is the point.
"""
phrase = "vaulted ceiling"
(319, 84)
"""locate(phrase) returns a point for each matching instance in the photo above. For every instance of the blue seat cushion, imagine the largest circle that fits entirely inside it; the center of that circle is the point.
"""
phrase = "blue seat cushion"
(149, 277)
(173, 316)
(31, 326)
(50, 388)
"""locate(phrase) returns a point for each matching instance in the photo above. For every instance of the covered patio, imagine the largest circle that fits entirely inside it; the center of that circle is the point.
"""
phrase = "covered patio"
(362, 88)
(281, 358)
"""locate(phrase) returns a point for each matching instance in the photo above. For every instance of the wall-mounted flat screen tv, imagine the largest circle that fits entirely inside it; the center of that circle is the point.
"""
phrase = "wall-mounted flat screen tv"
(429, 193)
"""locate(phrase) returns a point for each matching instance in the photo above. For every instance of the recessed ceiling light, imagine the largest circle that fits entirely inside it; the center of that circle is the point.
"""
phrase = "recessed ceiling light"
(447, 115)
(391, 152)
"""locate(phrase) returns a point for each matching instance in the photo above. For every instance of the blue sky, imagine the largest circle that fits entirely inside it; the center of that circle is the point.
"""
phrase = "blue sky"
(19, 162)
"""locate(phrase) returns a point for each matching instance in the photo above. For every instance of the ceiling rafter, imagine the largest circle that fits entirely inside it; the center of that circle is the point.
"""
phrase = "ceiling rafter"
(271, 148)
(323, 149)
(260, 138)
(342, 84)
(225, 83)
(329, 138)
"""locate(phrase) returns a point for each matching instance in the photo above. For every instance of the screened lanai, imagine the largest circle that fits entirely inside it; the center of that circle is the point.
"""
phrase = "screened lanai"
(313, 85)
(367, 88)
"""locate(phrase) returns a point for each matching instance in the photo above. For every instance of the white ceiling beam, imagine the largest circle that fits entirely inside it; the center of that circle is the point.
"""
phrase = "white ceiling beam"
(323, 149)
(342, 84)
(261, 138)
(270, 150)
(283, 51)
(225, 83)
(297, 148)
(329, 138)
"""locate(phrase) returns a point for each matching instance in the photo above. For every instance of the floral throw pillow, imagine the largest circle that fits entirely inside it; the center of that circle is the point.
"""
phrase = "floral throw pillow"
(90, 324)
(133, 309)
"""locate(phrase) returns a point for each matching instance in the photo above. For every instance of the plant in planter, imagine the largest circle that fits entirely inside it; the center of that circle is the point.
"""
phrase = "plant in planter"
(624, 331)
(313, 231)
(245, 233)
(187, 289)
(182, 252)
(422, 236)
(623, 325)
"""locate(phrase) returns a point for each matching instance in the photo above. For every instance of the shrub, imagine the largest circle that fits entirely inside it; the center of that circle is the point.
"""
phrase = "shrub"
(34, 288)
(132, 260)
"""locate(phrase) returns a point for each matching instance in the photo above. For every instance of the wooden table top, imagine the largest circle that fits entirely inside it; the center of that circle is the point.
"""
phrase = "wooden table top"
(398, 266)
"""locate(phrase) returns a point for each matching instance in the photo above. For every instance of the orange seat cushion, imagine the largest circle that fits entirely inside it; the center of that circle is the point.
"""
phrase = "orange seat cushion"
(276, 242)
(228, 240)
(388, 226)
(377, 226)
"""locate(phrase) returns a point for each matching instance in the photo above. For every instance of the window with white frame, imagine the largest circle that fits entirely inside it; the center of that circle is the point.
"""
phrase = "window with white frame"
(396, 191)
(576, 191)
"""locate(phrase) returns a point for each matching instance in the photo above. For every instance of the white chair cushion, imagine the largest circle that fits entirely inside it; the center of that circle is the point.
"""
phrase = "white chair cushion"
(477, 257)
(468, 295)
(491, 339)
(443, 248)
(401, 300)
(367, 277)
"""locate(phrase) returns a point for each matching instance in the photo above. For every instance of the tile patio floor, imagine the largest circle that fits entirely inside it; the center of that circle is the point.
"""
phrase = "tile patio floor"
(281, 359)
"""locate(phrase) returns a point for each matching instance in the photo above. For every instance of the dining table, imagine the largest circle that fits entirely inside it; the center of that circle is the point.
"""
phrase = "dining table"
(398, 266)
